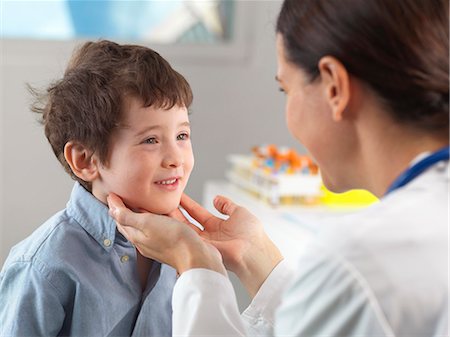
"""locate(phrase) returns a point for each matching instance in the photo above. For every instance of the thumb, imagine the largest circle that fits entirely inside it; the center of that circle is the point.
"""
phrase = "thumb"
(124, 216)
(224, 205)
(178, 215)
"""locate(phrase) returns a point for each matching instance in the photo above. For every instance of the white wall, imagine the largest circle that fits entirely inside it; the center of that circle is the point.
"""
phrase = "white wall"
(236, 105)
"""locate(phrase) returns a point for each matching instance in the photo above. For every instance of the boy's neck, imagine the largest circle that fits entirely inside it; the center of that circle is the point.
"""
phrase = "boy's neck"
(99, 194)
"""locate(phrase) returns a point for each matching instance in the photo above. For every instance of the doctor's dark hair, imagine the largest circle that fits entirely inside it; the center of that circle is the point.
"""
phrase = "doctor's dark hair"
(87, 103)
(399, 48)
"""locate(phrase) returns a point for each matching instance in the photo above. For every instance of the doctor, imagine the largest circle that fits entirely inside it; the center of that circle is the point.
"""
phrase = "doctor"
(367, 92)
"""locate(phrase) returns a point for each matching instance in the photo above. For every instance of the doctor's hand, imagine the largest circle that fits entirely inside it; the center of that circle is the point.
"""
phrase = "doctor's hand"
(245, 247)
(173, 241)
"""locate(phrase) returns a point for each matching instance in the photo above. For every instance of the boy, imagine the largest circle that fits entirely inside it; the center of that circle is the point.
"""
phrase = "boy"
(118, 122)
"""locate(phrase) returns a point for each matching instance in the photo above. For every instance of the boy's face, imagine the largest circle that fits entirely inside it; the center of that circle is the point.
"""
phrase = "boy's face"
(150, 159)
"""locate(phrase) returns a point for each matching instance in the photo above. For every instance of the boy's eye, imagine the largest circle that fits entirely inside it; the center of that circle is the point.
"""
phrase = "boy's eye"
(151, 140)
(183, 136)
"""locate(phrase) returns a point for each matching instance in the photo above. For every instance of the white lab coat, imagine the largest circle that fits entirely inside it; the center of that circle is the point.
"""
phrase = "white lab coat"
(380, 272)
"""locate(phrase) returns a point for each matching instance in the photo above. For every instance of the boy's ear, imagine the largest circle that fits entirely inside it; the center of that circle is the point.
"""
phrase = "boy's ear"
(336, 84)
(82, 161)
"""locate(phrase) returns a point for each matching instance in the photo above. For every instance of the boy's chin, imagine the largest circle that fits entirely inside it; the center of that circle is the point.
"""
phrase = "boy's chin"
(159, 209)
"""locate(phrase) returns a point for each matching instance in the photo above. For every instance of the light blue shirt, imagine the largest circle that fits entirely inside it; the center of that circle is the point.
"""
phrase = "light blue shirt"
(76, 275)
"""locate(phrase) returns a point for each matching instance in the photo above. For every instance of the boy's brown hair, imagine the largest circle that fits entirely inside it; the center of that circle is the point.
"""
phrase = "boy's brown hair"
(86, 104)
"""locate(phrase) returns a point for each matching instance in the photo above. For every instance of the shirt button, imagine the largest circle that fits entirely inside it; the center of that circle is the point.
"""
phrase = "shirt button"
(124, 258)
(107, 242)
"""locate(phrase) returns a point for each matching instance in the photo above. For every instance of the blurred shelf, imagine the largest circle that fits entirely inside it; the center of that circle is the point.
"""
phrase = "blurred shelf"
(288, 226)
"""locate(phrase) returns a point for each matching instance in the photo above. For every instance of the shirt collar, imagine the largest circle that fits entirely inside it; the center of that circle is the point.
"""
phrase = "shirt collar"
(92, 215)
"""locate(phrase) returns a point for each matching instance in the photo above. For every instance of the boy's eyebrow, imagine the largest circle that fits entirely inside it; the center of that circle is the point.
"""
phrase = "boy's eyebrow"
(185, 124)
(156, 127)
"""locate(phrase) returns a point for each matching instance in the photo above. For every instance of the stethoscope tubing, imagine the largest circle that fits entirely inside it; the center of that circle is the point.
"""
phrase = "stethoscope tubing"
(418, 168)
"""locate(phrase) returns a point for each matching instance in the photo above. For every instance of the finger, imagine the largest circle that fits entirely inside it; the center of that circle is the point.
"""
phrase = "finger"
(194, 227)
(114, 201)
(178, 215)
(224, 205)
(125, 216)
(195, 210)
(123, 230)
(133, 235)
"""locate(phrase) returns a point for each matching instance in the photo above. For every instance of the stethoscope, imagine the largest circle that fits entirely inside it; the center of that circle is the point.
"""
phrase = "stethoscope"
(419, 167)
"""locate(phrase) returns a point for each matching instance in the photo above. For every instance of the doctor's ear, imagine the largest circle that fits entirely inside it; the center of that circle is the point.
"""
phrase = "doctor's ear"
(82, 161)
(336, 83)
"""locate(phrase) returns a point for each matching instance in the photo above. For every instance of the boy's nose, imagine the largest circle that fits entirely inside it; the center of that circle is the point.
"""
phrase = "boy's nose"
(172, 158)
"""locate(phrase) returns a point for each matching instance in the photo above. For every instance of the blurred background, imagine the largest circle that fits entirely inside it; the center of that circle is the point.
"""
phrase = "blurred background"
(225, 49)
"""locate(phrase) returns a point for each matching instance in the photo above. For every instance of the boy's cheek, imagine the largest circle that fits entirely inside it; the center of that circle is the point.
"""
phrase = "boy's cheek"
(192, 164)
(189, 166)
(190, 170)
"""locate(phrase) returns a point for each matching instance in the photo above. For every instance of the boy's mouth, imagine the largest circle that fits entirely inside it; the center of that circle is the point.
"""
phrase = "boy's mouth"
(169, 184)
(166, 182)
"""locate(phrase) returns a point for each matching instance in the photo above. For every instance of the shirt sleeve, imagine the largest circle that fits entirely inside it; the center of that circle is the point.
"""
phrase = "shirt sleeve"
(30, 304)
(259, 317)
(204, 303)
(327, 297)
